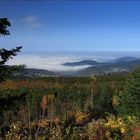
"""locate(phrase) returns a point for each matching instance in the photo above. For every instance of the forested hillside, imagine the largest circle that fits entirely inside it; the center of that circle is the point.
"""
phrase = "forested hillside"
(69, 108)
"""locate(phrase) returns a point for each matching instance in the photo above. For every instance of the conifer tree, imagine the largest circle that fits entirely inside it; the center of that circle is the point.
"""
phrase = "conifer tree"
(130, 98)
(5, 54)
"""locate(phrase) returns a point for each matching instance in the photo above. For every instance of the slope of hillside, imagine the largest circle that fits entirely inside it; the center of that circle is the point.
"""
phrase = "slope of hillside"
(109, 68)
(28, 72)
(123, 64)
(81, 63)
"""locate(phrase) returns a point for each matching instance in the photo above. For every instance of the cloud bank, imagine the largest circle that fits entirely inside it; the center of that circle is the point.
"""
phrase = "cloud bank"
(52, 63)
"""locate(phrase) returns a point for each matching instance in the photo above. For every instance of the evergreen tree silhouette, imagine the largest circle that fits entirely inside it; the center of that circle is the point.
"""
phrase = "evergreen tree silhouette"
(5, 54)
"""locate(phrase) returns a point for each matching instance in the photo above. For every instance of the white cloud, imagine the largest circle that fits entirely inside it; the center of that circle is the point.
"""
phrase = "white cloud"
(55, 61)
(32, 21)
(52, 63)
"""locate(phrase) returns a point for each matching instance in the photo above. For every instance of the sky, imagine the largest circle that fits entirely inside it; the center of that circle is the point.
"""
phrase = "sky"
(72, 25)
(68, 26)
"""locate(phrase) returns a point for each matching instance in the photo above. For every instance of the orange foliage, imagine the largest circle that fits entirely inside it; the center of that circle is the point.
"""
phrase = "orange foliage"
(17, 84)
(136, 133)
(44, 103)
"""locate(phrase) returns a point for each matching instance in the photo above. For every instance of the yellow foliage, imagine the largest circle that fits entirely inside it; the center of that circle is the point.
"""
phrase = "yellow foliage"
(115, 100)
(80, 117)
(115, 123)
(122, 130)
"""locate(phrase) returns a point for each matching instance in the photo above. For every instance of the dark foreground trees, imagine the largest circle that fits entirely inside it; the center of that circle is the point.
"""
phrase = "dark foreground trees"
(130, 98)
(5, 54)
(5, 71)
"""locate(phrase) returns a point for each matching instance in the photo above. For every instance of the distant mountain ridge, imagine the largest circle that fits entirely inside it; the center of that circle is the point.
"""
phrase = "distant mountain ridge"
(30, 72)
(126, 59)
(122, 64)
(95, 63)
(119, 66)
(81, 63)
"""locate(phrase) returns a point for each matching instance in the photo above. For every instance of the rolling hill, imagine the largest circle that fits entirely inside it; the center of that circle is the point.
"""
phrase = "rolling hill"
(81, 63)
(120, 66)
(123, 64)
(29, 72)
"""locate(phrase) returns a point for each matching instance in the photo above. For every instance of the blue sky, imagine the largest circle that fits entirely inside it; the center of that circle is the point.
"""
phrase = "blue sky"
(72, 26)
